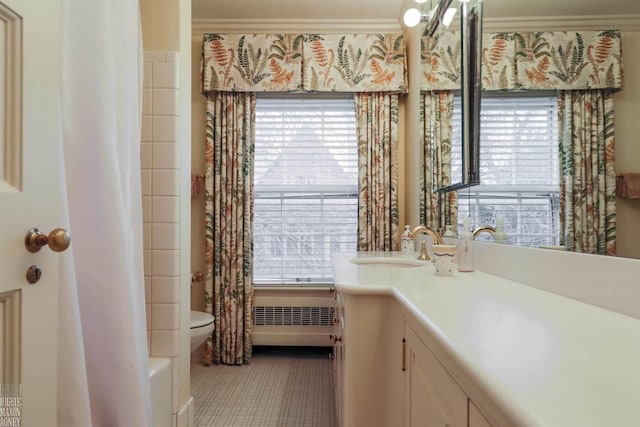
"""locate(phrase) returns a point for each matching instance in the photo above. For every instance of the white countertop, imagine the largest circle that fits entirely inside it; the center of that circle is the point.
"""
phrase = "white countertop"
(544, 359)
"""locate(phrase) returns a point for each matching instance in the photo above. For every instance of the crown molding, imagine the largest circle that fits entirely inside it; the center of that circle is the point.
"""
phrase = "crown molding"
(563, 23)
(329, 26)
(325, 26)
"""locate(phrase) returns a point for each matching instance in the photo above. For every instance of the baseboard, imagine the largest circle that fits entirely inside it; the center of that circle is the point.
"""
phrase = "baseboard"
(320, 337)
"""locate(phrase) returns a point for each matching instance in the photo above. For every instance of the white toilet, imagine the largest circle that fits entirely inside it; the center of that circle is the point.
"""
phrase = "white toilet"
(201, 327)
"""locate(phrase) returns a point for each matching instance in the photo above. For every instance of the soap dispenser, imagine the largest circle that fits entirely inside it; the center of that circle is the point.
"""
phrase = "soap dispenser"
(499, 236)
(407, 241)
(466, 255)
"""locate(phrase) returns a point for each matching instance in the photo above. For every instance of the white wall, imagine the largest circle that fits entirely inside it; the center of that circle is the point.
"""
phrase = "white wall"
(185, 413)
(161, 24)
(412, 131)
(160, 162)
(627, 128)
(198, 109)
(166, 27)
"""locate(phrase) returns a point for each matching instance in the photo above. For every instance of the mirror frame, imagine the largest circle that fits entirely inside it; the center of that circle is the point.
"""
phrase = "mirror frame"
(471, 38)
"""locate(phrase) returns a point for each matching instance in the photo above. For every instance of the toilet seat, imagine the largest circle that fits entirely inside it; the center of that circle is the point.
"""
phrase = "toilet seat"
(200, 319)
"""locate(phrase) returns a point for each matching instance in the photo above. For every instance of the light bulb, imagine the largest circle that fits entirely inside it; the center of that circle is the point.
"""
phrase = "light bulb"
(421, 1)
(412, 17)
(448, 16)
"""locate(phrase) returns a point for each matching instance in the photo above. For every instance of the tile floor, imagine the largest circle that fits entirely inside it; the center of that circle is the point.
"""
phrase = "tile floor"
(281, 387)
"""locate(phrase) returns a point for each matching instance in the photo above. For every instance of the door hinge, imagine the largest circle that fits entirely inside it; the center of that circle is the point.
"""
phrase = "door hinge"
(404, 354)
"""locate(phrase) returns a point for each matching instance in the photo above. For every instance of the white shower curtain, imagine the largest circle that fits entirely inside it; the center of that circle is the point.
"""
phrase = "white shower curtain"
(103, 368)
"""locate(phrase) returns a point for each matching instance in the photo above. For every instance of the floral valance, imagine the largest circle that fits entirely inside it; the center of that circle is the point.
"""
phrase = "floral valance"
(252, 62)
(529, 61)
(354, 63)
(309, 62)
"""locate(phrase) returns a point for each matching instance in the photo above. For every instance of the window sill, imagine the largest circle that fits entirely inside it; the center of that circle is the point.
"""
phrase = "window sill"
(295, 287)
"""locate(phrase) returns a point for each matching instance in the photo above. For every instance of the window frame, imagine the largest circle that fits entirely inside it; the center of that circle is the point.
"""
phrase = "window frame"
(324, 192)
(549, 192)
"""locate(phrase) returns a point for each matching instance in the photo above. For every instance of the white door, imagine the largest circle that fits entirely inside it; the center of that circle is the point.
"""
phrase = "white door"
(30, 196)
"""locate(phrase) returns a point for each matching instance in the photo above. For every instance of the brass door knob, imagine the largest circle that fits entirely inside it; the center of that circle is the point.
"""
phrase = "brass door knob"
(197, 277)
(58, 240)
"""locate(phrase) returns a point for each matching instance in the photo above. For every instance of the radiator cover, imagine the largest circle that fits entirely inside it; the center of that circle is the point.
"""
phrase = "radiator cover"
(292, 316)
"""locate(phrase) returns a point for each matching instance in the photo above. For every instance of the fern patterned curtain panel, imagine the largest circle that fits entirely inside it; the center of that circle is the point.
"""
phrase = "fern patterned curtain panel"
(436, 126)
(529, 61)
(229, 160)
(588, 186)
(377, 129)
(303, 62)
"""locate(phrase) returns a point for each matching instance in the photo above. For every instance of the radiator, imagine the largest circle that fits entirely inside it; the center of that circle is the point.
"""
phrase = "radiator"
(286, 317)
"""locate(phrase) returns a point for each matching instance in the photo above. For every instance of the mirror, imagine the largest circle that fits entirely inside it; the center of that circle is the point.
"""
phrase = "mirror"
(537, 209)
(530, 222)
(468, 174)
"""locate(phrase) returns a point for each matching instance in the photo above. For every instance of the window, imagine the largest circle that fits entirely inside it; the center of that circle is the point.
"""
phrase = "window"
(306, 187)
(519, 168)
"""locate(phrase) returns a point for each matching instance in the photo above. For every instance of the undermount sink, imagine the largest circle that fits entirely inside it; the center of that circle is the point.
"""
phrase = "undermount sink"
(388, 262)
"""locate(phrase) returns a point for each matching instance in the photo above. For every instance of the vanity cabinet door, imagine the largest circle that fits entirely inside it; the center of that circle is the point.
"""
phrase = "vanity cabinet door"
(431, 397)
(338, 359)
(476, 419)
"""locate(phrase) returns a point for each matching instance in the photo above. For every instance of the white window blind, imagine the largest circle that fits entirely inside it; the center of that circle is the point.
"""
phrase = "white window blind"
(519, 168)
(306, 184)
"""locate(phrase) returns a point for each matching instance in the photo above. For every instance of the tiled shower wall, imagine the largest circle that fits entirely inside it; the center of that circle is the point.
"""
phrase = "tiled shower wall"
(160, 162)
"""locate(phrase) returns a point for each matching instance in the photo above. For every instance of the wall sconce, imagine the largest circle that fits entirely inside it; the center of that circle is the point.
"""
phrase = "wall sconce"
(440, 13)
(448, 16)
(413, 17)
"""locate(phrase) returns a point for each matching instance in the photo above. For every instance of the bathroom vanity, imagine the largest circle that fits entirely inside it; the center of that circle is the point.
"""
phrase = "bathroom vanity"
(416, 349)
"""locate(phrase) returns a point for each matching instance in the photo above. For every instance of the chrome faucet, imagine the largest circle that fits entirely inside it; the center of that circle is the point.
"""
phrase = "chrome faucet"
(484, 229)
(437, 240)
